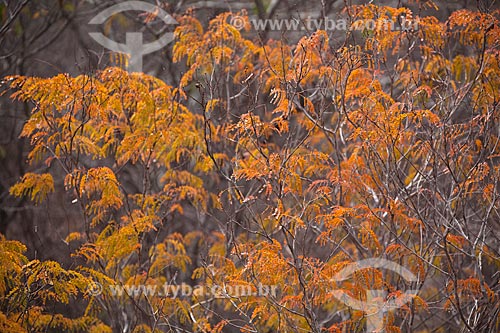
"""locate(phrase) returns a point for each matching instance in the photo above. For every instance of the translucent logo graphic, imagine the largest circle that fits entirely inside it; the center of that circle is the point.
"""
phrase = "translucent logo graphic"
(134, 45)
(376, 303)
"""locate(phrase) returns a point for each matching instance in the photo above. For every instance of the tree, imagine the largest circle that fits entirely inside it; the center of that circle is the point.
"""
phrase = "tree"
(288, 162)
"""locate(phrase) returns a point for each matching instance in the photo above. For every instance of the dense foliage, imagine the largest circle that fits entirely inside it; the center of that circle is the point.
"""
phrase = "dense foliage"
(286, 162)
